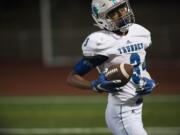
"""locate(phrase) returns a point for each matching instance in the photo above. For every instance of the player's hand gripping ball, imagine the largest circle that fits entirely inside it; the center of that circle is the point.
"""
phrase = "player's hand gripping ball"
(121, 72)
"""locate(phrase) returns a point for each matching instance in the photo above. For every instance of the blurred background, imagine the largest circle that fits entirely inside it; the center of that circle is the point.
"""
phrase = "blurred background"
(40, 41)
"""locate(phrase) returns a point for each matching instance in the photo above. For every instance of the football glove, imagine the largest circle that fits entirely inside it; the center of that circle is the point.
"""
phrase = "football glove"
(147, 87)
(102, 85)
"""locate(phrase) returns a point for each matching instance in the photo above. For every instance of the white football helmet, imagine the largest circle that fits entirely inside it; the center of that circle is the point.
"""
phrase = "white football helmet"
(112, 15)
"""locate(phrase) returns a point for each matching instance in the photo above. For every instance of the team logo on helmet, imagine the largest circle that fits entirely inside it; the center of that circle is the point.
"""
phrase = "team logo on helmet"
(95, 11)
(112, 15)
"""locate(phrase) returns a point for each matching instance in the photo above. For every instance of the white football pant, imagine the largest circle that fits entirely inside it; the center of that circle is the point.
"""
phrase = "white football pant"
(124, 122)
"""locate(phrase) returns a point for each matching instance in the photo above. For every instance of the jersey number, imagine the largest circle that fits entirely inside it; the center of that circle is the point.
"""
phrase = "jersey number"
(135, 60)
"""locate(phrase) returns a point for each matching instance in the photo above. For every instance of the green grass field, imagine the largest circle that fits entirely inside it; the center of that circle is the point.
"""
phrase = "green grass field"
(81, 115)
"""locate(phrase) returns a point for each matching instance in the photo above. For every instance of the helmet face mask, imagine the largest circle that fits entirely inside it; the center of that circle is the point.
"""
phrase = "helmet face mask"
(112, 15)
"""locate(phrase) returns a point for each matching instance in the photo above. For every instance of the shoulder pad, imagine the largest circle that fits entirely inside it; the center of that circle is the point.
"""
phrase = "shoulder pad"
(138, 30)
(96, 43)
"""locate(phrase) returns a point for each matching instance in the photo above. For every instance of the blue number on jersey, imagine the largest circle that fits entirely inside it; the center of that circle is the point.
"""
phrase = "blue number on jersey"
(86, 42)
(135, 60)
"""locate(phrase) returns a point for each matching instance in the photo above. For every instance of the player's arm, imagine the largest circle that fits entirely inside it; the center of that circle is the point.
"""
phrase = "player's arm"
(85, 65)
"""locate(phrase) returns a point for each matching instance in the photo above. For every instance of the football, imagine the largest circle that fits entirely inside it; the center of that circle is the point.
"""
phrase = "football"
(122, 72)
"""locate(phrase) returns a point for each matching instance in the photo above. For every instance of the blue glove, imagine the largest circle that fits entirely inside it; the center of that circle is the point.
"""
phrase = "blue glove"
(102, 85)
(147, 88)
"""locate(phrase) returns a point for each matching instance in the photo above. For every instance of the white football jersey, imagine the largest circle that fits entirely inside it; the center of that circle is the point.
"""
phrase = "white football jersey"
(121, 49)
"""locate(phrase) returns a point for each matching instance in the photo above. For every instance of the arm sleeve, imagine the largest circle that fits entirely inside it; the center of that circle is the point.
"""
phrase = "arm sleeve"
(86, 64)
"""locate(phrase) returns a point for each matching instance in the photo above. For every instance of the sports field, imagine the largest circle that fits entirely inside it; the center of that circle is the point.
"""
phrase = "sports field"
(80, 115)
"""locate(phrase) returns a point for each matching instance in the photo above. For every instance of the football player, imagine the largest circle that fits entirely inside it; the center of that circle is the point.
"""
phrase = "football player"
(120, 40)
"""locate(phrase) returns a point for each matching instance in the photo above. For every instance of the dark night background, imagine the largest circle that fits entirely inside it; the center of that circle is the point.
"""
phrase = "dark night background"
(21, 47)
(20, 33)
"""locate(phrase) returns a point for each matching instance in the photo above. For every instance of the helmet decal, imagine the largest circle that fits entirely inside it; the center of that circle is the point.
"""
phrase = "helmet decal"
(95, 11)
(108, 14)
(114, 1)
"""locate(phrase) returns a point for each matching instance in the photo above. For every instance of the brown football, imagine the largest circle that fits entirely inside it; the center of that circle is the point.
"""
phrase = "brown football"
(122, 72)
